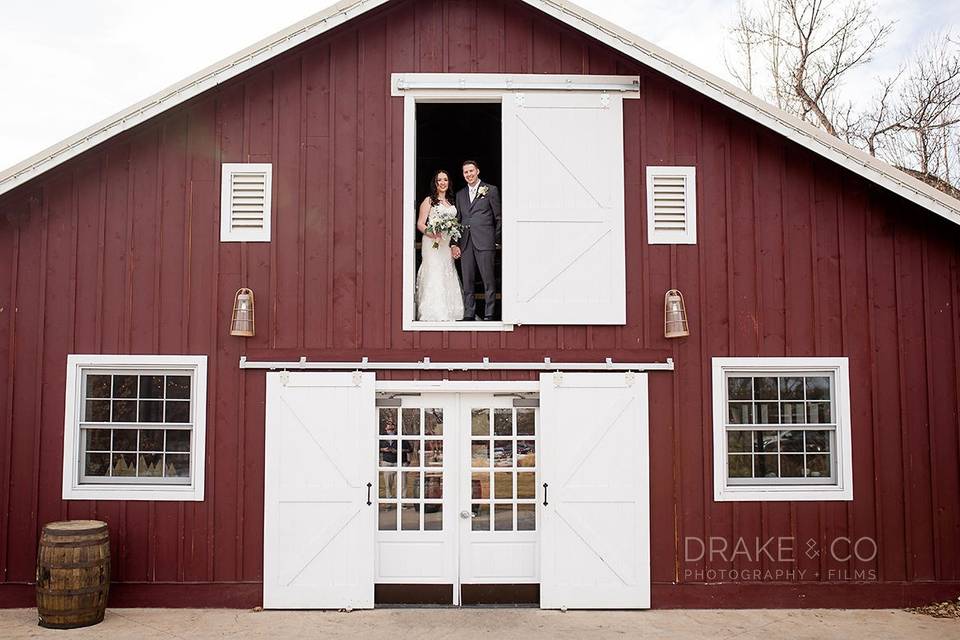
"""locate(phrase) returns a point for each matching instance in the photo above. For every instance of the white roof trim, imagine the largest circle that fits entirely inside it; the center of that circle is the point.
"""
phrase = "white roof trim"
(630, 44)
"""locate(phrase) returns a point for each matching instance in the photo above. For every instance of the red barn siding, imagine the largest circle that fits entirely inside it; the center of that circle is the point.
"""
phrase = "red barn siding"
(118, 252)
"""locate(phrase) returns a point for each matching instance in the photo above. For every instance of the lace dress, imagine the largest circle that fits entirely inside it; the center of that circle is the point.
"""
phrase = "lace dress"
(439, 296)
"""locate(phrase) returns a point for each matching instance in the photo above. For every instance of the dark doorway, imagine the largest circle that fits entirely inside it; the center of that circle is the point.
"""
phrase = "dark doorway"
(448, 134)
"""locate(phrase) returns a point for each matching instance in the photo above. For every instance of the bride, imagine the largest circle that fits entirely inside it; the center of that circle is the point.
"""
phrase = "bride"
(439, 297)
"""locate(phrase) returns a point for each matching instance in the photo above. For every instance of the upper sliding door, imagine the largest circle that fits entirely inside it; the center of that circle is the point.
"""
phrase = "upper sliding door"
(318, 534)
(563, 208)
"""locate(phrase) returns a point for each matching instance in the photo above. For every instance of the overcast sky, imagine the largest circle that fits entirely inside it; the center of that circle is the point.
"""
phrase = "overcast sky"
(67, 64)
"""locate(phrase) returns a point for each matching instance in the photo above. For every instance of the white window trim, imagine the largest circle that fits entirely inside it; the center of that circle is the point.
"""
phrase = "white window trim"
(842, 490)
(466, 88)
(227, 232)
(689, 236)
(72, 489)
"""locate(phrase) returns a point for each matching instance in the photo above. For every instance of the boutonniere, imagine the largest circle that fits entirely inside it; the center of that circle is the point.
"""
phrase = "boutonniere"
(482, 190)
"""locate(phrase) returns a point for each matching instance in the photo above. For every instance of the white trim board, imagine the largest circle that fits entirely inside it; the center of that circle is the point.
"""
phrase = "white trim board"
(567, 12)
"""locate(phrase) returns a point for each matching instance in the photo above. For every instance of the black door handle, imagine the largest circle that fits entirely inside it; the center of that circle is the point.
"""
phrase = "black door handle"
(544, 494)
(369, 485)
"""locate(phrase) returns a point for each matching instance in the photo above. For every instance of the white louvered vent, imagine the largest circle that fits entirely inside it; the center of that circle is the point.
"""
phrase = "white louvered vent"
(245, 202)
(671, 205)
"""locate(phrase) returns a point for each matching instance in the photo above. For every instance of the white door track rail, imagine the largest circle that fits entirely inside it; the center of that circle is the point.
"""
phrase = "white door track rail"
(485, 365)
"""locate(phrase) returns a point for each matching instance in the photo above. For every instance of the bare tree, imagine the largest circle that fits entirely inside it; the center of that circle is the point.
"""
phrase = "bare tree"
(809, 46)
(799, 52)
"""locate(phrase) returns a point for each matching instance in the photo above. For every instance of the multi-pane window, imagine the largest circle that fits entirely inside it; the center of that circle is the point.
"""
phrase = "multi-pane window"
(410, 469)
(782, 429)
(503, 461)
(135, 427)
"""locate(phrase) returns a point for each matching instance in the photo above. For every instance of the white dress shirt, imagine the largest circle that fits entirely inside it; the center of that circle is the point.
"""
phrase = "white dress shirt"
(473, 190)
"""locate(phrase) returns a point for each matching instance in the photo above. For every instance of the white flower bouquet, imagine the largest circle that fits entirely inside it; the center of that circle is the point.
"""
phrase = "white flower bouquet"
(443, 222)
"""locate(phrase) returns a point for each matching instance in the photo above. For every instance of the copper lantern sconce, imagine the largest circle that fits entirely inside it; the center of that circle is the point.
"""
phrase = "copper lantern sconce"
(243, 322)
(674, 315)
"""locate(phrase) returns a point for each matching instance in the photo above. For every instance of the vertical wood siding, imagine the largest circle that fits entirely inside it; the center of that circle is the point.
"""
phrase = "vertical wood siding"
(118, 252)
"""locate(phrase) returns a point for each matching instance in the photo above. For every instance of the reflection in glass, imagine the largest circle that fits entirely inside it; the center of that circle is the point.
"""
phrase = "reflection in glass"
(739, 441)
(740, 413)
(526, 422)
(97, 464)
(740, 466)
(503, 422)
(433, 485)
(98, 439)
(150, 465)
(818, 466)
(177, 465)
(792, 413)
(480, 486)
(411, 484)
(178, 411)
(151, 386)
(151, 411)
(480, 422)
(818, 441)
(388, 484)
(480, 453)
(739, 388)
(411, 422)
(388, 421)
(151, 440)
(410, 517)
(818, 413)
(765, 441)
(124, 464)
(481, 517)
(765, 388)
(124, 386)
(411, 453)
(388, 517)
(503, 485)
(791, 388)
(818, 388)
(124, 411)
(767, 413)
(125, 440)
(526, 453)
(791, 466)
(791, 441)
(765, 466)
(433, 517)
(526, 485)
(178, 387)
(503, 517)
(98, 386)
(503, 453)
(433, 422)
(178, 440)
(97, 411)
(388, 453)
(433, 453)
(526, 517)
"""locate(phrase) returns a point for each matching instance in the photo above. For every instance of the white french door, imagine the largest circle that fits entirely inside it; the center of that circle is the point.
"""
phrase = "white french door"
(456, 491)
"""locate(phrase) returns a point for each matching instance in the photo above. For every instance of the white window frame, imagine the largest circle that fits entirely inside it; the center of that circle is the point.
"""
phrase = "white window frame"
(227, 232)
(467, 88)
(196, 366)
(838, 368)
(688, 236)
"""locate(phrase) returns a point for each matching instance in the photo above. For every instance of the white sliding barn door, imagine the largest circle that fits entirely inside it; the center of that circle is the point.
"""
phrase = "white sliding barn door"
(318, 527)
(563, 209)
(595, 546)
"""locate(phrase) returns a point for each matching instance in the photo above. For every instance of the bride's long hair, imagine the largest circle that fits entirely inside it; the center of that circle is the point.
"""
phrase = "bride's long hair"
(435, 191)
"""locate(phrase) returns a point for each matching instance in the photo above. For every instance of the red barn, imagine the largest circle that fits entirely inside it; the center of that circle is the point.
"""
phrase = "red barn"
(799, 447)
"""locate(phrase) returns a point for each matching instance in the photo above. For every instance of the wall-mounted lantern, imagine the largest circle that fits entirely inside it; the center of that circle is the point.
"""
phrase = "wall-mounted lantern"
(243, 322)
(674, 315)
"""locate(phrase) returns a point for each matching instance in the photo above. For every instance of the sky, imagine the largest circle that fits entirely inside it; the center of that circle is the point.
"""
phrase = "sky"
(66, 64)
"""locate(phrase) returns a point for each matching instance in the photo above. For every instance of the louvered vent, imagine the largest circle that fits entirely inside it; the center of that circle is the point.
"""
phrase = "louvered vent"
(245, 203)
(671, 204)
(248, 192)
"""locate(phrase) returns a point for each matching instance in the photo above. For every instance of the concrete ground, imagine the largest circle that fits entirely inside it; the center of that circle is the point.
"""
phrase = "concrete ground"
(493, 624)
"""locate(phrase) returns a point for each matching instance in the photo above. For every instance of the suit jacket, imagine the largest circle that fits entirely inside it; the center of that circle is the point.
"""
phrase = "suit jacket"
(481, 218)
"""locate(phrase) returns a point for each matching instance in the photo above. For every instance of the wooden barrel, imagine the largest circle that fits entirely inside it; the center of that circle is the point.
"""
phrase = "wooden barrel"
(73, 573)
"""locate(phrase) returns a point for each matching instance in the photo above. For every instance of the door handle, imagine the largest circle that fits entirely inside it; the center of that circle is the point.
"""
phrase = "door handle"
(544, 494)
(369, 485)
(467, 515)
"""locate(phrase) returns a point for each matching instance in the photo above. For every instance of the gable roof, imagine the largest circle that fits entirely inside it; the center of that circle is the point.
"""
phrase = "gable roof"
(567, 12)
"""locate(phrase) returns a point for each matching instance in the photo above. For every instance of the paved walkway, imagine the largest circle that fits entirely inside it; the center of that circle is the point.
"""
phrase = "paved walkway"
(493, 624)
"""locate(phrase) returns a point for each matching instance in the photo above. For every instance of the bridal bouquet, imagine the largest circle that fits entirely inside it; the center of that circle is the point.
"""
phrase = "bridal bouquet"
(443, 222)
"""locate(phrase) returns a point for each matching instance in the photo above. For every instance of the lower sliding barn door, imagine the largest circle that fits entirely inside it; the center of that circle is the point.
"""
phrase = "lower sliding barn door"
(595, 546)
(318, 521)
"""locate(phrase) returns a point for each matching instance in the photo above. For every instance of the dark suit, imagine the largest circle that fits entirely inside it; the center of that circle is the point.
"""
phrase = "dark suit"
(482, 223)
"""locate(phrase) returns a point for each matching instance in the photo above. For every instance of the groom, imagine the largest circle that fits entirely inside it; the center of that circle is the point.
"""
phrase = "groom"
(478, 210)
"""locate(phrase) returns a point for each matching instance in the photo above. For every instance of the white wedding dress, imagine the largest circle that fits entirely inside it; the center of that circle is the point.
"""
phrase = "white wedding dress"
(439, 296)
